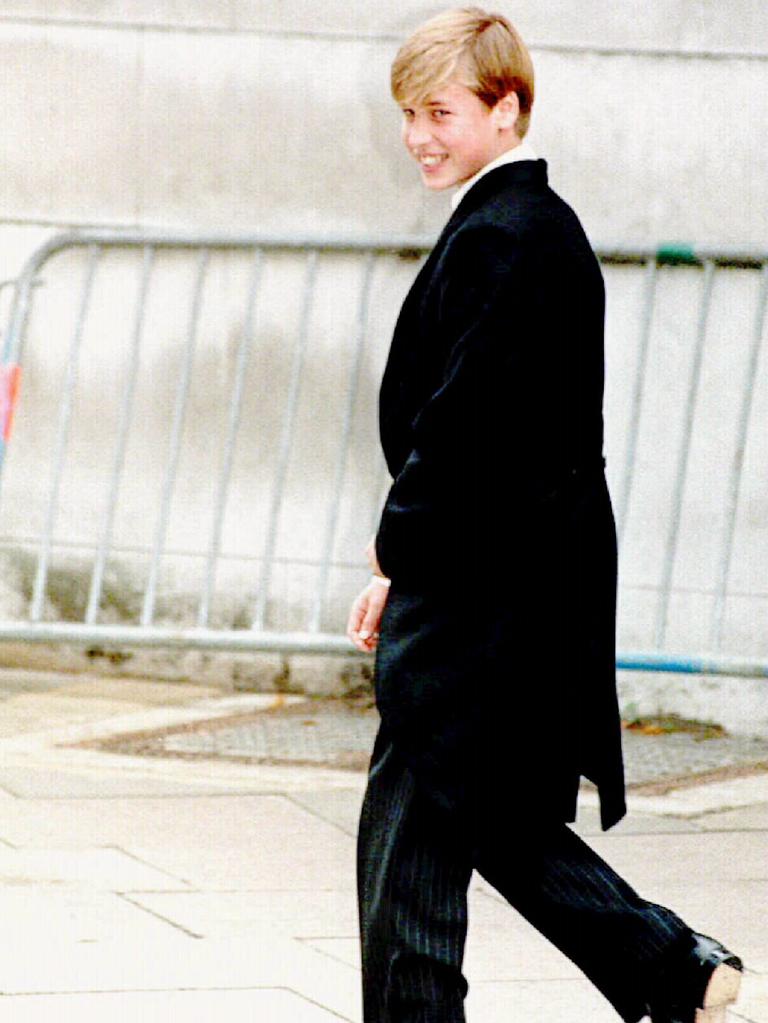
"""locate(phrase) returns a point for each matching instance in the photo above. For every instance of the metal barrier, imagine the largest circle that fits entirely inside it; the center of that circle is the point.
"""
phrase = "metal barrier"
(380, 269)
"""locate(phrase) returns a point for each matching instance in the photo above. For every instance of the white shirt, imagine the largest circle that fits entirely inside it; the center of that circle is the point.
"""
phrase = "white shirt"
(523, 151)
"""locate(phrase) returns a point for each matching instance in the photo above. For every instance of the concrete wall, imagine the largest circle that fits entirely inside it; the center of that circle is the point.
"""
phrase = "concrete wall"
(277, 116)
(254, 116)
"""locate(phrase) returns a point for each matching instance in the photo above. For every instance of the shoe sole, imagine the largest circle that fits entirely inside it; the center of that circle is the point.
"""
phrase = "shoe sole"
(722, 991)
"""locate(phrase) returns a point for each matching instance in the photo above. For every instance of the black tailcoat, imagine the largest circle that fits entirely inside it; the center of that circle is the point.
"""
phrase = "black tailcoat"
(496, 661)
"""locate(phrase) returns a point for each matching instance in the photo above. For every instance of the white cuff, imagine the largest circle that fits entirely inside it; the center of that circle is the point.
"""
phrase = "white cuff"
(381, 579)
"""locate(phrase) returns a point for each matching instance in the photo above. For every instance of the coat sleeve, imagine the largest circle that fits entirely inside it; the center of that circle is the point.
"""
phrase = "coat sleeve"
(446, 507)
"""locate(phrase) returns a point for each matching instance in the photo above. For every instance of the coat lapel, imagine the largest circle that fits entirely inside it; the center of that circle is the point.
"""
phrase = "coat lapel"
(401, 387)
(520, 174)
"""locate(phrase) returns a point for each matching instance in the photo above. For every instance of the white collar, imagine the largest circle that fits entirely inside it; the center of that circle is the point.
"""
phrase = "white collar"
(522, 151)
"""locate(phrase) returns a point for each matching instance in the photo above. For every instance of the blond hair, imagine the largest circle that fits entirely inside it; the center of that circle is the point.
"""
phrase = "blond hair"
(480, 50)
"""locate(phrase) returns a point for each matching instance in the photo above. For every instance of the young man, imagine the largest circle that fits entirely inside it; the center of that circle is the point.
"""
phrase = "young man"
(492, 604)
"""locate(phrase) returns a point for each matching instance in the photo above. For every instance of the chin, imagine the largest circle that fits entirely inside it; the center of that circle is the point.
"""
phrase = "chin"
(437, 186)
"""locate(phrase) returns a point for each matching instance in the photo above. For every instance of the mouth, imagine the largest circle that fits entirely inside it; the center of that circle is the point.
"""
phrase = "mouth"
(431, 161)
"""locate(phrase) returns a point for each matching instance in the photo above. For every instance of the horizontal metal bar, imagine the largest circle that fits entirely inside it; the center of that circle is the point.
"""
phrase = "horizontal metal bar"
(184, 240)
(331, 644)
(666, 252)
(186, 639)
(683, 255)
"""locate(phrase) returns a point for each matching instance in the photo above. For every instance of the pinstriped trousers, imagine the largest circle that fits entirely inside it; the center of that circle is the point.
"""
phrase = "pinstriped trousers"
(414, 868)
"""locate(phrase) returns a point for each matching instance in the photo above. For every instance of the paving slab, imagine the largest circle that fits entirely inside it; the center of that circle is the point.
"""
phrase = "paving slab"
(184, 964)
(31, 781)
(255, 843)
(537, 1002)
(502, 946)
(266, 824)
(588, 823)
(340, 807)
(710, 797)
(21, 714)
(104, 869)
(547, 1002)
(78, 914)
(212, 776)
(669, 858)
(144, 692)
(299, 865)
(300, 914)
(249, 1006)
(342, 950)
(752, 1006)
(35, 702)
(746, 818)
(83, 716)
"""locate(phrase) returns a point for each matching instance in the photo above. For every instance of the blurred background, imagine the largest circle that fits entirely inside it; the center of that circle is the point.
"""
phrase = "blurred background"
(195, 436)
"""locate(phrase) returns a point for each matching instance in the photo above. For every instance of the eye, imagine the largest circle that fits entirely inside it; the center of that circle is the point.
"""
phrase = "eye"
(408, 115)
(441, 114)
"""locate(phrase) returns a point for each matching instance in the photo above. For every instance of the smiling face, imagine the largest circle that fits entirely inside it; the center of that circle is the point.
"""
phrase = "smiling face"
(452, 134)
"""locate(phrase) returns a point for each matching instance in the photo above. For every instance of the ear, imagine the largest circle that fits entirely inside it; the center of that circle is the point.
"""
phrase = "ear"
(506, 111)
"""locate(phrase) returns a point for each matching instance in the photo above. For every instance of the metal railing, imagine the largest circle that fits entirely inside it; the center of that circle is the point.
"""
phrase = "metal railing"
(320, 630)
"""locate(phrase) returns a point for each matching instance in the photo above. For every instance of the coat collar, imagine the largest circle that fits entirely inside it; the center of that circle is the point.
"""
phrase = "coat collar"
(521, 174)
(522, 151)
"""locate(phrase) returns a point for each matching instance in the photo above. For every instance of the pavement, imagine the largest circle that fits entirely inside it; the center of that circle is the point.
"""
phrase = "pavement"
(214, 881)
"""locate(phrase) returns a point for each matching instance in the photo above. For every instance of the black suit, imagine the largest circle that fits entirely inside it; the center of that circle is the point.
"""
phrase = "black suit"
(497, 532)
(496, 660)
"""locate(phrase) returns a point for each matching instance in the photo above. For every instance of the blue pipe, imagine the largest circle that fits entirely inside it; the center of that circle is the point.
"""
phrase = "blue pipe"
(680, 664)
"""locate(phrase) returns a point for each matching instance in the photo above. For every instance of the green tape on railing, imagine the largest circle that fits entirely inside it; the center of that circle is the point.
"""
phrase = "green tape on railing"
(674, 253)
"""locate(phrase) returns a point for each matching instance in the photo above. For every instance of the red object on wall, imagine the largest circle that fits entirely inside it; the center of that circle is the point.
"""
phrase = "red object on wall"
(10, 380)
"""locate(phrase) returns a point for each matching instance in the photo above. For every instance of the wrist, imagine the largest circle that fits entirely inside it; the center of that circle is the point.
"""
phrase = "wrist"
(382, 580)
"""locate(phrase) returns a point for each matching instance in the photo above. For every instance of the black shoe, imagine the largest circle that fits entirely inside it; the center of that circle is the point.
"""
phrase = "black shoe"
(698, 984)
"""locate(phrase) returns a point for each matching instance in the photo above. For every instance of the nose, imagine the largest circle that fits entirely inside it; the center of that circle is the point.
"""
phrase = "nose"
(416, 133)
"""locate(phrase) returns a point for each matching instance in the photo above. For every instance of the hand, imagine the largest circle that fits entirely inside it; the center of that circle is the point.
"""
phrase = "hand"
(365, 615)
(373, 561)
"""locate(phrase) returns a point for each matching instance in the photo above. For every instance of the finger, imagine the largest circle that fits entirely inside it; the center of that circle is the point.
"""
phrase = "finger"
(358, 642)
(365, 646)
(355, 617)
(362, 627)
(373, 612)
(356, 613)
